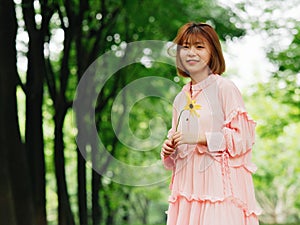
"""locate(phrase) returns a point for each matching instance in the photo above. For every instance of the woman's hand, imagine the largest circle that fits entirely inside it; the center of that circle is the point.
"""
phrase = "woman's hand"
(188, 138)
(167, 148)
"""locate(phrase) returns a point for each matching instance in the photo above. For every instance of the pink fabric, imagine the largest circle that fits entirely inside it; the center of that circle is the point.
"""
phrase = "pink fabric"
(212, 185)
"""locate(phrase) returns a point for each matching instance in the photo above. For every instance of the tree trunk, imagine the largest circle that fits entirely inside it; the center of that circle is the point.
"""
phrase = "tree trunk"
(110, 212)
(65, 216)
(82, 197)
(7, 105)
(34, 119)
(34, 125)
(96, 210)
(16, 201)
(7, 213)
(82, 129)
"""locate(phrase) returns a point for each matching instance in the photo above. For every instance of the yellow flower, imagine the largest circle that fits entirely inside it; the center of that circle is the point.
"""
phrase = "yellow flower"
(191, 105)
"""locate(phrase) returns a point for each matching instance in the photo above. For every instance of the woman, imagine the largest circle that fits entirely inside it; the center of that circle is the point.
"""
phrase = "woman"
(210, 143)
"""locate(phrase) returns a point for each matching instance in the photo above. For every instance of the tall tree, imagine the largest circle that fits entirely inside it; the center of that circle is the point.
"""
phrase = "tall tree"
(17, 205)
(34, 90)
(8, 29)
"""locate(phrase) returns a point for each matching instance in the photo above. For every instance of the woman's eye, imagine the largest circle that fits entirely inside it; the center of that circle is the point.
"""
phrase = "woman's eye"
(185, 46)
(200, 46)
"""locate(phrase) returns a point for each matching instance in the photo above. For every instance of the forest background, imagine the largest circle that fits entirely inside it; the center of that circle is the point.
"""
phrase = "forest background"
(47, 47)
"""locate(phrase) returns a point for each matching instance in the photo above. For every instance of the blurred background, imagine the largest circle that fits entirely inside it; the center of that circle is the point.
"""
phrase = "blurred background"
(46, 46)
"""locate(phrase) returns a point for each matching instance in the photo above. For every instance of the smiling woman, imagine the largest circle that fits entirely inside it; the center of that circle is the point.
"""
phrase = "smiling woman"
(210, 143)
(198, 42)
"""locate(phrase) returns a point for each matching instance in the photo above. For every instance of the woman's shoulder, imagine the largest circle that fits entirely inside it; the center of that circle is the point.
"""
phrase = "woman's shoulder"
(224, 82)
(179, 96)
(227, 86)
(229, 92)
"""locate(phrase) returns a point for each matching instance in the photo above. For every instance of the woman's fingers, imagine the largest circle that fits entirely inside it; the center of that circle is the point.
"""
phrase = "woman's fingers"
(168, 143)
(177, 137)
(168, 148)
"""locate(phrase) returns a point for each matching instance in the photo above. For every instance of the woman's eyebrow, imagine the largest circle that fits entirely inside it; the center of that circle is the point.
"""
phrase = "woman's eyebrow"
(199, 42)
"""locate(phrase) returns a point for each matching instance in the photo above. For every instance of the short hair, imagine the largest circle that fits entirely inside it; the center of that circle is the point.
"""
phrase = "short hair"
(192, 31)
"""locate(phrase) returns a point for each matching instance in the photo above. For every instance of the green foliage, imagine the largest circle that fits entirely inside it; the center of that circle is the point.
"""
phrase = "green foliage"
(287, 77)
(275, 105)
(109, 26)
(276, 154)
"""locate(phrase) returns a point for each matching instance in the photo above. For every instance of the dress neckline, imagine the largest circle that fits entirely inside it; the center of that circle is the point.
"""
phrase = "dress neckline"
(197, 88)
(204, 83)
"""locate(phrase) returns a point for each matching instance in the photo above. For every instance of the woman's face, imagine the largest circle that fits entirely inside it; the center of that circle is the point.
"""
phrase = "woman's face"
(195, 56)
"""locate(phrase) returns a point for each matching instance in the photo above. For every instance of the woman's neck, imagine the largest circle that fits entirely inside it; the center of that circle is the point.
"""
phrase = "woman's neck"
(196, 78)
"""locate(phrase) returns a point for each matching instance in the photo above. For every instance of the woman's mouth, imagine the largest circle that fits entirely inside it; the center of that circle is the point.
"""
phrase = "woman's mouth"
(192, 61)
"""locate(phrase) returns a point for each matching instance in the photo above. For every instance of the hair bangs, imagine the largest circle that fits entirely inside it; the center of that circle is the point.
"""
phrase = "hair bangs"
(192, 36)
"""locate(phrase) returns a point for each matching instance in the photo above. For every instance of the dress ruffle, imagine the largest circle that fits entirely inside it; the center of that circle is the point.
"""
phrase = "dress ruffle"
(239, 132)
(219, 182)
(237, 112)
(184, 212)
(238, 203)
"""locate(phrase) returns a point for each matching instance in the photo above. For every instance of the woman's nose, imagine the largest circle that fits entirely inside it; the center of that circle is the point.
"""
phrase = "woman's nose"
(191, 51)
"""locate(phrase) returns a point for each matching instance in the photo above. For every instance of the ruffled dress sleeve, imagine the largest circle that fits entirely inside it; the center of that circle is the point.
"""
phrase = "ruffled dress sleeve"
(238, 132)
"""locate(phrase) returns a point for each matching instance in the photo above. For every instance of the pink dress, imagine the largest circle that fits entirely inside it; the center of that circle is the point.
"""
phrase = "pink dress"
(212, 185)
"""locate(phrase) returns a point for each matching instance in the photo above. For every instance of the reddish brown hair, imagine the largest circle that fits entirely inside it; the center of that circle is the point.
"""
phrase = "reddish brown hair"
(192, 32)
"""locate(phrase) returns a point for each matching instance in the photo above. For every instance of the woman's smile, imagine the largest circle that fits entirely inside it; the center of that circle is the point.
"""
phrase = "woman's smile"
(192, 61)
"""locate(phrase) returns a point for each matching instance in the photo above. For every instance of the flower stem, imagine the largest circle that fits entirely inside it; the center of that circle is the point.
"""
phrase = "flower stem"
(179, 119)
